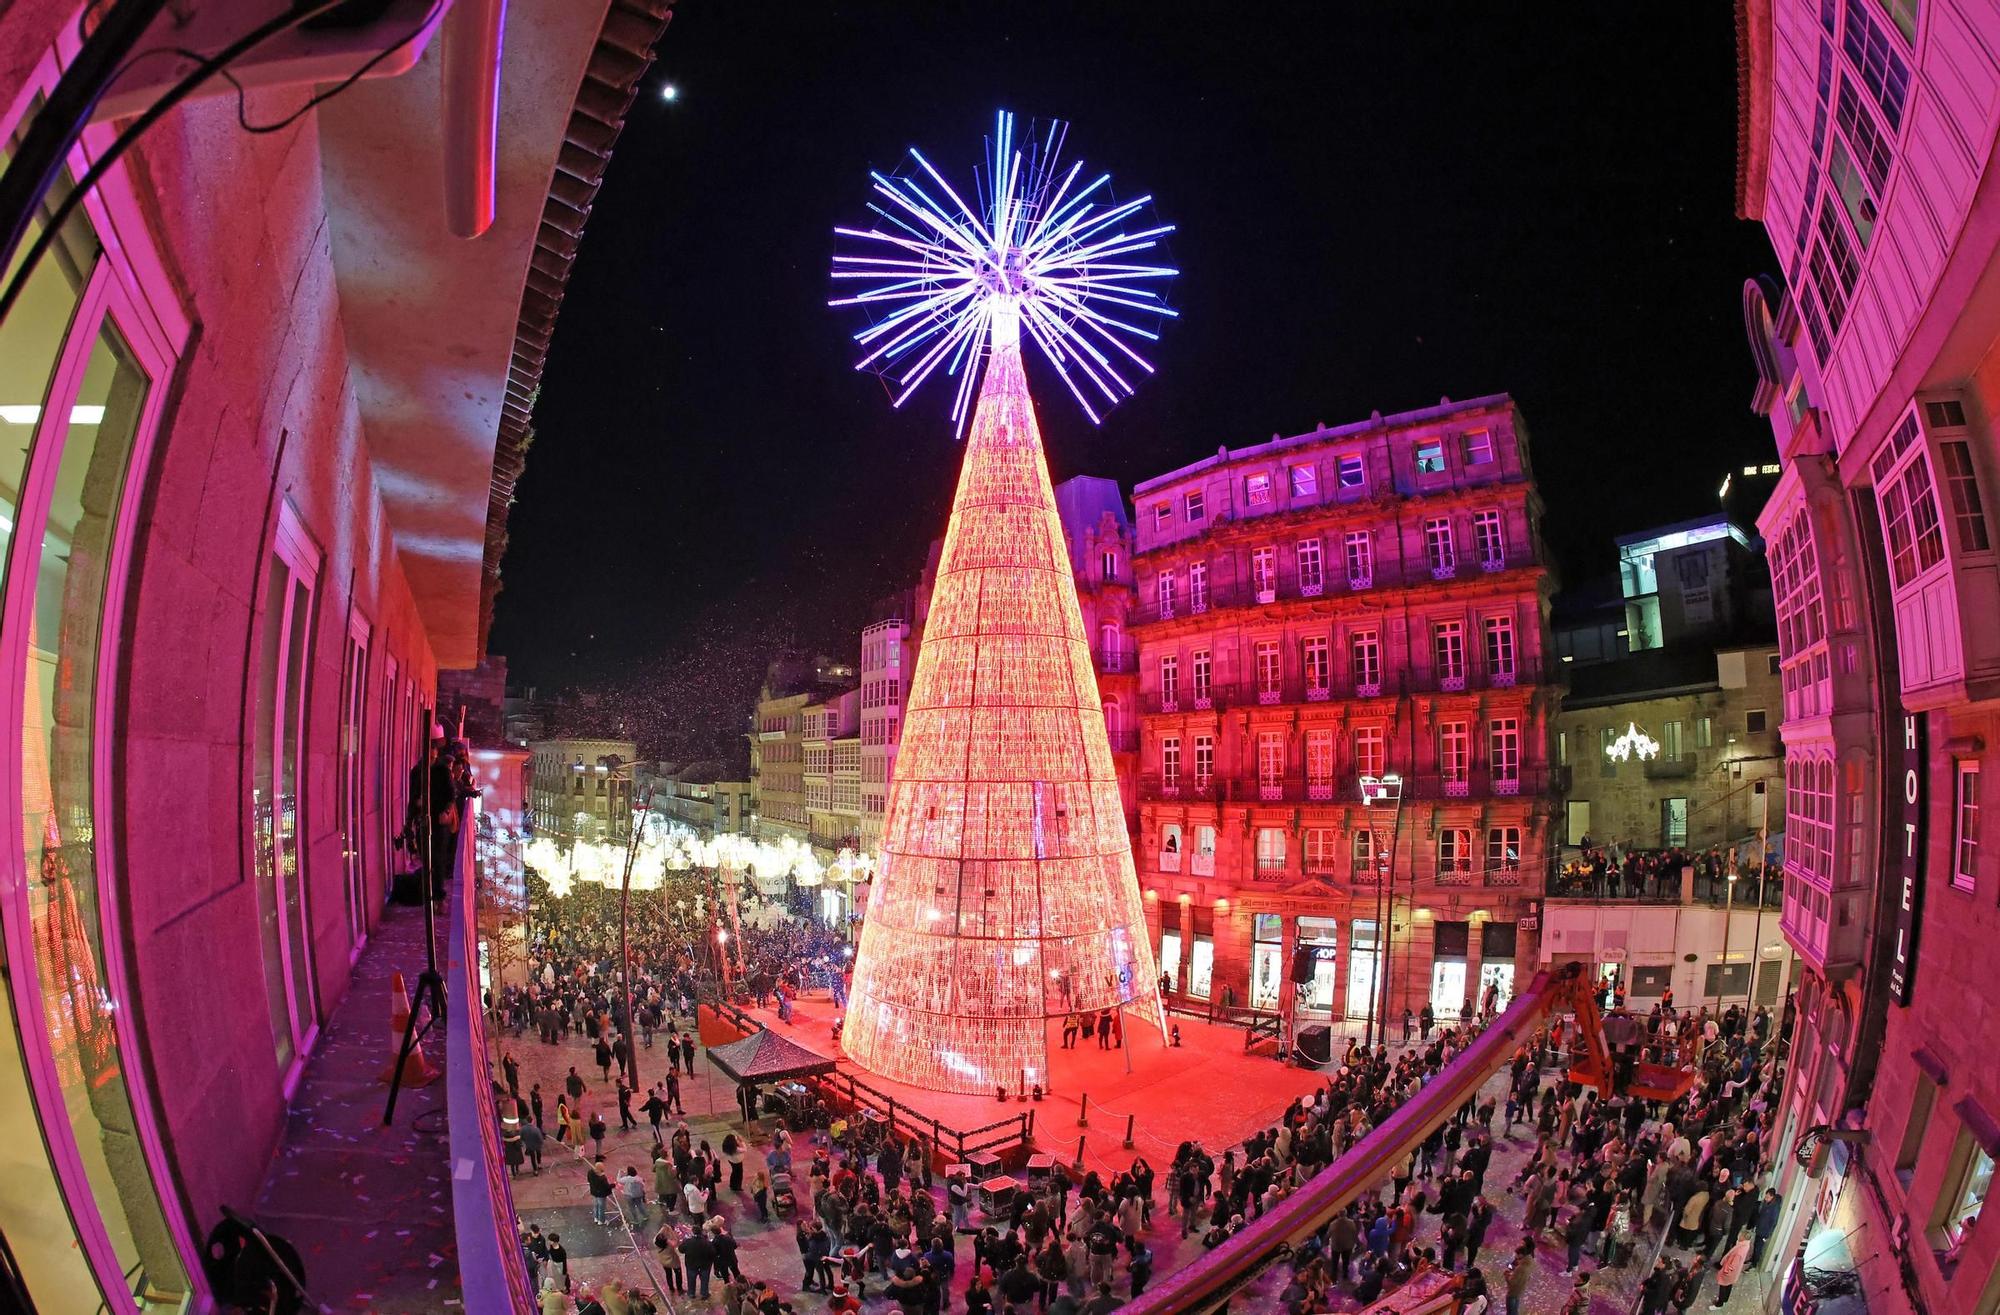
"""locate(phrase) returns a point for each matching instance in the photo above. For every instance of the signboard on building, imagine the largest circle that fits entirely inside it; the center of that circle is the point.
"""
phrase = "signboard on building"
(1909, 840)
(1694, 567)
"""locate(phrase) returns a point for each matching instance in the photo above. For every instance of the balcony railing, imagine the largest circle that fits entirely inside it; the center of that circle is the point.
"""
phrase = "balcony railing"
(1471, 676)
(1115, 657)
(1295, 689)
(1342, 787)
(1333, 580)
(1668, 769)
(1170, 860)
(1202, 865)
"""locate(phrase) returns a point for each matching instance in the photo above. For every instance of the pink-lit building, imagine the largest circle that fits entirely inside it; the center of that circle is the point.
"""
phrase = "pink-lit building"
(263, 416)
(1364, 601)
(1867, 131)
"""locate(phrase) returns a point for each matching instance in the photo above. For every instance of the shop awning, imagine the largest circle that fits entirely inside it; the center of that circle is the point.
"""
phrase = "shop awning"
(767, 1057)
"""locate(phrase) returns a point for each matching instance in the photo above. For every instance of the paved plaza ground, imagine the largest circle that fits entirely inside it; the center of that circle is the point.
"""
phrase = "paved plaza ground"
(1258, 1089)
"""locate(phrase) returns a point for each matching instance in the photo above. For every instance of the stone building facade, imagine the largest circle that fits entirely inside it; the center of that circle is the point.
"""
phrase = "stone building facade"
(1673, 748)
(1866, 140)
(1360, 602)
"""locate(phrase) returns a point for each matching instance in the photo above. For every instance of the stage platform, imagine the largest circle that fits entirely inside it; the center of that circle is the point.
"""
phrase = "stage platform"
(1206, 1090)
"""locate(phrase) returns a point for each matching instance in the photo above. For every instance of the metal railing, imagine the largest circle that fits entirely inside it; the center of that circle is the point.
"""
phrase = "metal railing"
(1209, 1281)
(844, 1091)
(492, 1270)
(1287, 584)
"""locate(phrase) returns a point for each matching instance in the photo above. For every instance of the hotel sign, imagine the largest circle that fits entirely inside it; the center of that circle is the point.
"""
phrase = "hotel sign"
(1910, 856)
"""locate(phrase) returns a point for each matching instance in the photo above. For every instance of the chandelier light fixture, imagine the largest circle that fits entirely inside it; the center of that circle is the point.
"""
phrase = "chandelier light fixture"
(1633, 741)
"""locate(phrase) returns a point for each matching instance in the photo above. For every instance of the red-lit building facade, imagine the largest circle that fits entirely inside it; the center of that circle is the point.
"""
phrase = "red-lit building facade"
(1867, 132)
(1363, 601)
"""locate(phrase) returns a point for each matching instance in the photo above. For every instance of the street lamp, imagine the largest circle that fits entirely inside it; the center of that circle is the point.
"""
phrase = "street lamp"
(1377, 792)
(1728, 909)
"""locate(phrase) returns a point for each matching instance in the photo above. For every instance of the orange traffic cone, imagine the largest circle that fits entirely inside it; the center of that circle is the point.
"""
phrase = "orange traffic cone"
(417, 1069)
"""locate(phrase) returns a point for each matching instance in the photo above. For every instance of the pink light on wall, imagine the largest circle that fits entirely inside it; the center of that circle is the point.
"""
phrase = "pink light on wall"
(1007, 894)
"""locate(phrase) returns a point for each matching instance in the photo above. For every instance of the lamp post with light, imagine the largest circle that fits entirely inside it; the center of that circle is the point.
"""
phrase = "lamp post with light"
(1376, 792)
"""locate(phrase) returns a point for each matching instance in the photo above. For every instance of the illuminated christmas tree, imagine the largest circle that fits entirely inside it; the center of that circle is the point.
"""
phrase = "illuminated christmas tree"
(1006, 895)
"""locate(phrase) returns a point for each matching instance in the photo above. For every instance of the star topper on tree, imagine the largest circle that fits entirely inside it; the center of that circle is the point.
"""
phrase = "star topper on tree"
(1041, 252)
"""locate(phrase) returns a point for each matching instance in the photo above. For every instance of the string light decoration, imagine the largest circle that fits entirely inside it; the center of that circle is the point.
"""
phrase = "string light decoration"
(1005, 896)
(1632, 741)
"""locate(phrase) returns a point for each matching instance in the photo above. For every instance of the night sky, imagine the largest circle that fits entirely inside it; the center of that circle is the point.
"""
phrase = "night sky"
(1377, 205)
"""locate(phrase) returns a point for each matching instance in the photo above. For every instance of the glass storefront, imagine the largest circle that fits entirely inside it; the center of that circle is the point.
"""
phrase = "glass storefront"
(1363, 958)
(1267, 968)
(1449, 942)
(1321, 936)
(1201, 967)
(78, 1209)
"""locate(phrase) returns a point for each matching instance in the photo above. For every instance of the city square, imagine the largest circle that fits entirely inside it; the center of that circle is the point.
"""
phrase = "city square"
(699, 659)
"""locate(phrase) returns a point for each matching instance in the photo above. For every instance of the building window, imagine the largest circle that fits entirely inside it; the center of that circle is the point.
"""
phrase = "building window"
(1365, 856)
(1364, 653)
(1170, 761)
(1319, 761)
(1968, 513)
(1454, 753)
(1360, 559)
(1197, 587)
(1908, 504)
(349, 799)
(1200, 668)
(1965, 824)
(1488, 540)
(1454, 854)
(1270, 849)
(1503, 848)
(1257, 490)
(1873, 53)
(1108, 563)
(1317, 656)
(1438, 549)
(1430, 457)
(1196, 504)
(1353, 475)
(1162, 513)
(1305, 481)
(1500, 648)
(1270, 761)
(1110, 656)
(1204, 761)
(1322, 849)
(1831, 275)
(1903, 13)
(1170, 681)
(1311, 578)
(1165, 588)
(1503, 752)
(1704, 732)
(1269, 671)
(1370, 754)
(1912, 1145)
(1670, 741)
(1478, 447)
(1965, 1192)
(1753, 721)
(1855, 201)
(1448, 653)
(279, 782)
(1264, 572)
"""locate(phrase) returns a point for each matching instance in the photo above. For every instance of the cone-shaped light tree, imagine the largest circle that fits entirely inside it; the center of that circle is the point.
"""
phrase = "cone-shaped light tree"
(1006, 895)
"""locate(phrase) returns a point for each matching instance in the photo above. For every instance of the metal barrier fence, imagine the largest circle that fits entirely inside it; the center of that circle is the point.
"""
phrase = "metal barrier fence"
(493, 1272)
(844, 1091)
(1210, 1281)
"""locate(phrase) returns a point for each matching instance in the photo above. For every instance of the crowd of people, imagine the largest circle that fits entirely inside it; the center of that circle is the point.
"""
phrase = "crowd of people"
(1623, 872)
(870, 1220)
